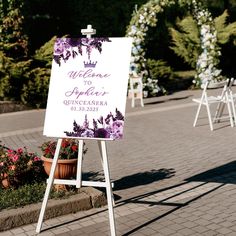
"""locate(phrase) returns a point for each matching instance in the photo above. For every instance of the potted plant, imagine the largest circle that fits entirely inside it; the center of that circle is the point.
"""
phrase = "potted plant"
(67, 159)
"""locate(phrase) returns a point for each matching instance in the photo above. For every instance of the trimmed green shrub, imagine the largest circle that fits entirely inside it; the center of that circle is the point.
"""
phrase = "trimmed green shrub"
(5, 77)
(35, 91)
(45, 53)
(160, 72)
(28, 194)
(159, 69)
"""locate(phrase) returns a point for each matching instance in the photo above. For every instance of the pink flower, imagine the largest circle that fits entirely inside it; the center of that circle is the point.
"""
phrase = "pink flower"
(10, 152)
(1, 163)
(20, 150)
(37, 159)
(15, 158)
(12, 167)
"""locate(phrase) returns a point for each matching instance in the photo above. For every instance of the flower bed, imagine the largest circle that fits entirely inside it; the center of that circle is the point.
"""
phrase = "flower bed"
(19, 167)
(23, 179)
(28, 194)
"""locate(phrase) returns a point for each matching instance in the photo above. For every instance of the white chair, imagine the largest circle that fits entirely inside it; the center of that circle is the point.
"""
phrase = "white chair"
(220, 100)
(231, 99)
(136, 89)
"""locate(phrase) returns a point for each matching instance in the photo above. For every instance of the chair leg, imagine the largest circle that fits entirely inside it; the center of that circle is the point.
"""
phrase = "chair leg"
(209, 116)
(233, 107)
(142, 105)
(229, 111)
(219, 112)
(197, 114)
(132, 102)
(234, 113)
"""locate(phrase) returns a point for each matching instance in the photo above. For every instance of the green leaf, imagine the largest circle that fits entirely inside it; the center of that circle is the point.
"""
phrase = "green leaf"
(224, 30)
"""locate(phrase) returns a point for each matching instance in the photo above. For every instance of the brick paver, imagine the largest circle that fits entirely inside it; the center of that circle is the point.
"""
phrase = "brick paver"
(170, 178)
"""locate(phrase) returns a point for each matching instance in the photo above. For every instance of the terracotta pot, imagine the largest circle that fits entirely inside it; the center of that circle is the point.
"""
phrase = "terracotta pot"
(5, 182)
(65, 169)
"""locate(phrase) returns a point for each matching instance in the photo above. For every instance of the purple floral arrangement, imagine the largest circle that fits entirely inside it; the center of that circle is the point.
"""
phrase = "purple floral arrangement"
(112, 127)
(64, 48)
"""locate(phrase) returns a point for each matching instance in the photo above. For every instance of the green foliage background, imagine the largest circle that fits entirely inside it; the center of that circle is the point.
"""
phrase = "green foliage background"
(27, 25)
(186, 41)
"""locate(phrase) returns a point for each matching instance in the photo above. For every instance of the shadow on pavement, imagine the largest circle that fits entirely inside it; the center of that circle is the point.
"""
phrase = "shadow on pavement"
(222, 174)
(194, 188)
(143, 178)
(168, 201)
(134, 180)
(176, 196)
(166, 100)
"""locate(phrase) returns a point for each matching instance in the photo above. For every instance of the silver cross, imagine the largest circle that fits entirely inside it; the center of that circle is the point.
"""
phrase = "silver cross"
(89, 31)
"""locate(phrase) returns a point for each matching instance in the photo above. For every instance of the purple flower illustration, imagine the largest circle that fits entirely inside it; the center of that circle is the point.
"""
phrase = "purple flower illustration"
(87, 133)
(116, 130)
(64, 48)
(101, 133)
(60, 46)
(110, 127)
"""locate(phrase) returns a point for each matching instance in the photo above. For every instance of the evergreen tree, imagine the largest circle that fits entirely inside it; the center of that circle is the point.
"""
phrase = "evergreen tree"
(13, 42)
(13, 49)
(186, 41)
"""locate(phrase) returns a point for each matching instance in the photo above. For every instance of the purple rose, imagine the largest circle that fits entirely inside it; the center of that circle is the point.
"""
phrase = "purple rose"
(101, 133)
(118, 124)
(117, 129)
(87, 133)
(60, 46)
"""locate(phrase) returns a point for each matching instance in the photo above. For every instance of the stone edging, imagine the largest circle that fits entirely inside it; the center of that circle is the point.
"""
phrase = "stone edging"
(9, 106)
(88, 198)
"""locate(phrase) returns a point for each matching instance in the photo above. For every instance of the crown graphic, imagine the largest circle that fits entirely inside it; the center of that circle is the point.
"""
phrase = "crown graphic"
(90, 64)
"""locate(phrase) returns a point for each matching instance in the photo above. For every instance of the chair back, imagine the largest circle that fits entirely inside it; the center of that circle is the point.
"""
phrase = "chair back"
(136, 88)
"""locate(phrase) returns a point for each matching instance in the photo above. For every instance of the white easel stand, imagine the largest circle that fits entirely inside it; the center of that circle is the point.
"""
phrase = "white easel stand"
(78, 182)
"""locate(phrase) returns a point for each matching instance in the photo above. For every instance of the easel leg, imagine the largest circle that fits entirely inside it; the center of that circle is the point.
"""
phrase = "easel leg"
(102, 161)
(79, 165)
(108, 188)
(49, 186)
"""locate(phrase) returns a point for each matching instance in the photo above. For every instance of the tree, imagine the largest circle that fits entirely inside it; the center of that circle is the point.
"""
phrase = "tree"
(13, 42)
(185, 38)
(13, 49)
(224, 30)
(186, 41)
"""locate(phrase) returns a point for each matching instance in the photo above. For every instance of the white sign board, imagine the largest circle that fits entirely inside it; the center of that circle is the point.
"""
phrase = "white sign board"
(88, 88)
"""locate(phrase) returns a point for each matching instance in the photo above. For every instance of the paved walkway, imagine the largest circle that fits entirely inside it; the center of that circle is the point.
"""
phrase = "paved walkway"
(170, 178)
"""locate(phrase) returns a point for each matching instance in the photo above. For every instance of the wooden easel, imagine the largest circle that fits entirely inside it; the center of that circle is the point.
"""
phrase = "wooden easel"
(78, 182)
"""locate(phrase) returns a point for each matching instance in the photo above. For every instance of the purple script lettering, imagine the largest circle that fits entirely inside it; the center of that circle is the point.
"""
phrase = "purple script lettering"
(86, 74)
(89, 92)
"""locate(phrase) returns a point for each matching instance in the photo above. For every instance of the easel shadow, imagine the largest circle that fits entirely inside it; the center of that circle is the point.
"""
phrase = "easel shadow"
(204, 184)
(126, 182)
(222, 174)
(143, 178)
(134, 180)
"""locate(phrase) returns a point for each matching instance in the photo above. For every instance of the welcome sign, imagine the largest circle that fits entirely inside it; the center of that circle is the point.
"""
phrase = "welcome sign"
(88, 86)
